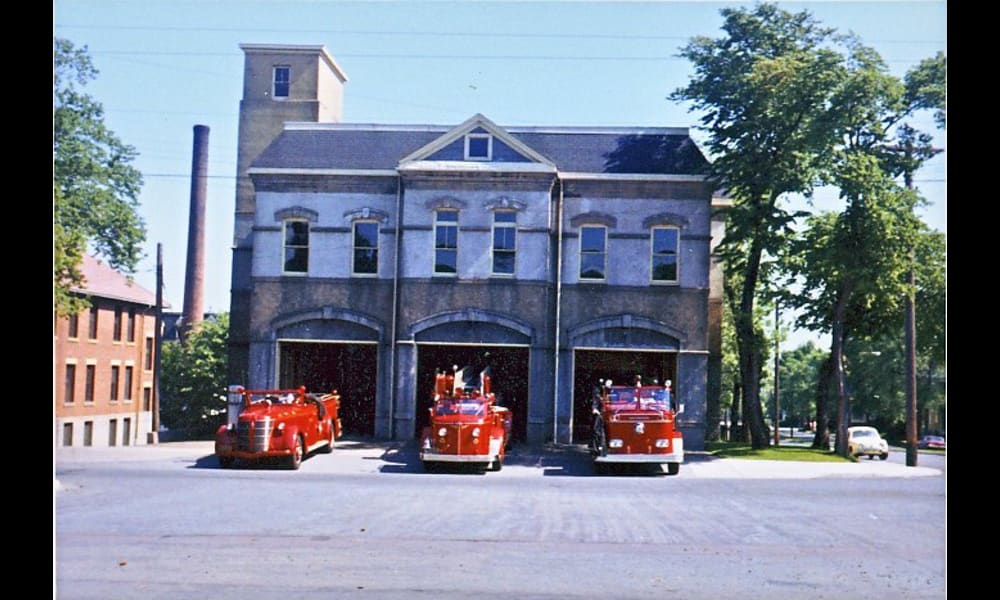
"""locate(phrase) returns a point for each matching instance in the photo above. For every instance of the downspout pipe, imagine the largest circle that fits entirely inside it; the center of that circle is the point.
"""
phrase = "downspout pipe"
(395, 307)
(559, 231)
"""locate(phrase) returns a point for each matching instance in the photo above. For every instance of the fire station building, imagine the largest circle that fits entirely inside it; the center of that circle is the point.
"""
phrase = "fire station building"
(368, 256)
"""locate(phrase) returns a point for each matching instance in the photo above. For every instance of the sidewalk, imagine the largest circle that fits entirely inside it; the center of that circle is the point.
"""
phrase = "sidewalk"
(366, 456)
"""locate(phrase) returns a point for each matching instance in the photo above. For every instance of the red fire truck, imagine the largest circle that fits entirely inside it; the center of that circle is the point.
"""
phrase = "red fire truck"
(466, 425)
(634, 424)
(285, 425)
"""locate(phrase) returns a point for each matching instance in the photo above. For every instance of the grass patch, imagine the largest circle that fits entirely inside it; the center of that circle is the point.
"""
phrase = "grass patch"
(799, 453)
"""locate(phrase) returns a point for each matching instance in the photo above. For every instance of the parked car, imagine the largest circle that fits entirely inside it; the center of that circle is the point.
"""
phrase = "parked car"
(931, 441)
(864, 440)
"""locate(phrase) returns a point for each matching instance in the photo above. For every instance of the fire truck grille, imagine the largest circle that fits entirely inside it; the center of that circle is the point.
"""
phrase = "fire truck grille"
(256, 438)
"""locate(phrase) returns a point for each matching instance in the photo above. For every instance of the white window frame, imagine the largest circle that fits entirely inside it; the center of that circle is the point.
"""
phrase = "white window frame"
(489, 146)
(284, 246)
(503, 225)
(274, 82)
(652, 256)
(434, 248)
(604, 266)
(355, 248)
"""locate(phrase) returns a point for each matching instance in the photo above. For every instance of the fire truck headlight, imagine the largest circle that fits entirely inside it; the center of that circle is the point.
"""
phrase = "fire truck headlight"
(475, 432)
(615, 443)
(427, 443)
(640, 428)
(442, 432)
(279, 429)
(662, 443)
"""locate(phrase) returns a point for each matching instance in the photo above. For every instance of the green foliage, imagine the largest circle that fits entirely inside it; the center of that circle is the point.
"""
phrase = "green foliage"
(793, 453)
(926, 87)
(800, 369)
(764, 90)
(193, 379)
(95, 188)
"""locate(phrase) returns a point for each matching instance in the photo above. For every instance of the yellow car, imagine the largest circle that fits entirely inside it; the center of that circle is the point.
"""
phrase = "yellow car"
(863, 440)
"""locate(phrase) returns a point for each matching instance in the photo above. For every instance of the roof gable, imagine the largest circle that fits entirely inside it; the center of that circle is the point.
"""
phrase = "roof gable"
(102, 281)
(451, 145)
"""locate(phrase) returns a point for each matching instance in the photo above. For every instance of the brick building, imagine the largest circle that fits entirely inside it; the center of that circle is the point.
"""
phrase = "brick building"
(104, 359)
(366, 256)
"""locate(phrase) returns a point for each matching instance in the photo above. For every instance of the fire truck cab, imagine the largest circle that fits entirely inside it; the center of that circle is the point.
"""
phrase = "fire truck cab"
(634, 424)
(466, 425)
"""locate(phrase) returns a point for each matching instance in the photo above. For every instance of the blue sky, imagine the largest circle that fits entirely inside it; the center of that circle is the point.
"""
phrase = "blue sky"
(168, 65)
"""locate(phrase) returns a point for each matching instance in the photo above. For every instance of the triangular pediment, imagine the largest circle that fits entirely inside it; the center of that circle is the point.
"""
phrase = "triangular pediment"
(477, 140)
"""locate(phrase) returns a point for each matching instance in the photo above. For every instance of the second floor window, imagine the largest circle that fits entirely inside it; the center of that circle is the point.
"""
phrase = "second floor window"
(69, 395)
(73, 327)
(296, 259)
(365, 248)
(130, 328)
(664, 248)
(593, 251)
(117, 333)
(127, 390)
(446, 242)
(504, 242)
(88, 390)
(114, 382)
(282, 81)
(148, 355)
(92, 323)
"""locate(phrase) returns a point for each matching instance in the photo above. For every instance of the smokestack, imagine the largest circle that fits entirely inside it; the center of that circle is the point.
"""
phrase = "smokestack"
(194, 280)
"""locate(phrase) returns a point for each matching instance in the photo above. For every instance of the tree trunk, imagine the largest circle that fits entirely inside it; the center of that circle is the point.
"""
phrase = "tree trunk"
(824, 383)
(749, 343)
(837, 357)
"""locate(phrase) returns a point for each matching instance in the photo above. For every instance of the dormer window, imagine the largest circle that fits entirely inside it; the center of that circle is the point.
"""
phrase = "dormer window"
(478, 146)
(282, 81)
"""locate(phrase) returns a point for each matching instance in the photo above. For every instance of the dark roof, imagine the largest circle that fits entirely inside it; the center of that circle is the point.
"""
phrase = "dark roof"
(584, 150)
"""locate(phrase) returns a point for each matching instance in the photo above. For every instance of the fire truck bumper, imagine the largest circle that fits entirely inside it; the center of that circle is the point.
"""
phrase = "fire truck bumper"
(677, 457)
(246, 455)
(456, 458)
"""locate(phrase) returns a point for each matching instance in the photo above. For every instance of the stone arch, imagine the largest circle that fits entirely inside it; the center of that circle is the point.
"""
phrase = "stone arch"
(361, 322)
(648, 332)
(471, 315)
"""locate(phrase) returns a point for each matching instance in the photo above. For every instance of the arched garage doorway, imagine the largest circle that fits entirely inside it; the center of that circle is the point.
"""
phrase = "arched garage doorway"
(350, 368)
(590, 367)
(510, 378)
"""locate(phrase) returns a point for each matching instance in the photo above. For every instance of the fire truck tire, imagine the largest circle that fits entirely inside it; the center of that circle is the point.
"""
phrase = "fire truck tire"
(328, 448)
(226, 462)
(673, 468)
(430, 466)
(295, 459)
(496, 465)
(600, 468)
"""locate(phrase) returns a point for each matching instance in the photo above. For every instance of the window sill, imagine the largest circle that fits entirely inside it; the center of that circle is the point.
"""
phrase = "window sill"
(293, 274)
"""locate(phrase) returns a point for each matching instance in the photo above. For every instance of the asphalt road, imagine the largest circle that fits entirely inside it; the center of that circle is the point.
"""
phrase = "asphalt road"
(366, 522)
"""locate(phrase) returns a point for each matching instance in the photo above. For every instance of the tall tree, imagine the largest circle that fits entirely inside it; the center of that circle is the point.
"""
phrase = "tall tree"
(95, 188)
(764, 89)
(193, 382)
(852, 265)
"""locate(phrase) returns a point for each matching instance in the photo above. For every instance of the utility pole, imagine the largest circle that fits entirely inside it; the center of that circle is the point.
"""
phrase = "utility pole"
(910, 324)
(154, 435)
(777, 362)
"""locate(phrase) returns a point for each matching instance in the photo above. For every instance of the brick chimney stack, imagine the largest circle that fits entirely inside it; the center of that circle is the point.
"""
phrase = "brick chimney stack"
(194, 280)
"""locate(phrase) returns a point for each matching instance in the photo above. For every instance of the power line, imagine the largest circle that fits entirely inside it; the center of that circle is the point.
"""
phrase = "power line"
(471, 34)
(411, 56)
